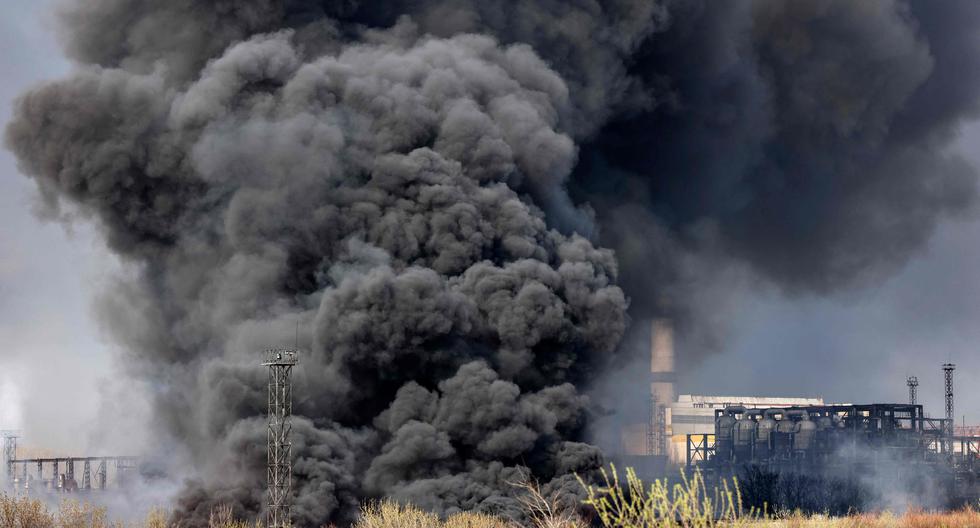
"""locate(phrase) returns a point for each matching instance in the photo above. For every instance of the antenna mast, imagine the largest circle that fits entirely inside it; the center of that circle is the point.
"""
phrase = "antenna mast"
(913, 383)
(280, 474)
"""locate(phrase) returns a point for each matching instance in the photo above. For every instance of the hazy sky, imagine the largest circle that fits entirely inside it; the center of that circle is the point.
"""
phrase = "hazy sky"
(855, 347)
(52, 359)
(860, 346)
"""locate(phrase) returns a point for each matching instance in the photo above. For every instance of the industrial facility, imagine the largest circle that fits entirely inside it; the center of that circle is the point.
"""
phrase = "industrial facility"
(893, 443)
(727, 436)
(58, 474)
(662, 440)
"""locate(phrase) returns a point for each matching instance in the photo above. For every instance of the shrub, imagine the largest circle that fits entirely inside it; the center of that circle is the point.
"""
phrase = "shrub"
(687, 503)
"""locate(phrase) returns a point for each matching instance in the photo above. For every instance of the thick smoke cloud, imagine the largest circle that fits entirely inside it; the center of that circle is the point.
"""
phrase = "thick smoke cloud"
(369, 195)
(441, 196)
(806, 138)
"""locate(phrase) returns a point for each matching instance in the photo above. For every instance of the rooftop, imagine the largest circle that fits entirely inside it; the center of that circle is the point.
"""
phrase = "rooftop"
(770, 401)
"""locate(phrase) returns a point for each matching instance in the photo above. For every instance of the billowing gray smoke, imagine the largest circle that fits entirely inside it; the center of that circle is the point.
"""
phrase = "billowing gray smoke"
(426, 188)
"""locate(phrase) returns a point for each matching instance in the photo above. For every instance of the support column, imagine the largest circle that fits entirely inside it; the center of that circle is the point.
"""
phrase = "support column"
(87, 476)
(100, 475)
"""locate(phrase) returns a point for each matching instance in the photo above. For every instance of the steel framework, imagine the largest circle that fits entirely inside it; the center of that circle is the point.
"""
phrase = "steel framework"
(657, 428)
(700, 448)
(9, 454)
(913, 383)
(280, 468)
(66, 482)
(948, 369)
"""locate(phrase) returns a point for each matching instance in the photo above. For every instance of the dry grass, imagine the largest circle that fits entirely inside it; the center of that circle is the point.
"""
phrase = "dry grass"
(547, 511)
(629, 504)
(959, 519)
(25, 512)
(686, 504)
(388, 514)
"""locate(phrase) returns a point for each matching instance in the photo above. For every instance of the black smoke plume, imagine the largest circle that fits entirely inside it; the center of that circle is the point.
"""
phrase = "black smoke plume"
(443, 195)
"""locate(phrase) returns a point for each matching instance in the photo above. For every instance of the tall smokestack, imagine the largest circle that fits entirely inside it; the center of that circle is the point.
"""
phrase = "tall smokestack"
(649, 437)
(662, 376)
(662, 379)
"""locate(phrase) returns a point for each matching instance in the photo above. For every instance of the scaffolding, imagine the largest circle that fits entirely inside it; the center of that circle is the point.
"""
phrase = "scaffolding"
(657, 428)
(280, 469)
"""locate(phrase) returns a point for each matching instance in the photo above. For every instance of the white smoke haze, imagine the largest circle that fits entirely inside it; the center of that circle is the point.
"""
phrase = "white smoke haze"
(463, 205)
(11, 405)
(856, 477)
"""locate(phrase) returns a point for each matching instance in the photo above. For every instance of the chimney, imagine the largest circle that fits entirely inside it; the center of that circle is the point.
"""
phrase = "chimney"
(661, 385)
(662, 375)
(651, 436)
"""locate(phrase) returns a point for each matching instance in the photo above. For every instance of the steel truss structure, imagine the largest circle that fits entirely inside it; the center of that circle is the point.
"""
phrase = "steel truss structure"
(65, 482)
(9, 453)
(280, 468)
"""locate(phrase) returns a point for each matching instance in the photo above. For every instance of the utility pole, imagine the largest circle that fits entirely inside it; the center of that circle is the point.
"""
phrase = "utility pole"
(280, 466)
(913, 383)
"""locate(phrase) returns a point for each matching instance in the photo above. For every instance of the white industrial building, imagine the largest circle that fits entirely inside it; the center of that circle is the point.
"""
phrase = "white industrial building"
(672, 417)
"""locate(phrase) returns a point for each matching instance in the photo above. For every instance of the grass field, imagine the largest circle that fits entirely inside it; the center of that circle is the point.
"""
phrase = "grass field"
(613, 504)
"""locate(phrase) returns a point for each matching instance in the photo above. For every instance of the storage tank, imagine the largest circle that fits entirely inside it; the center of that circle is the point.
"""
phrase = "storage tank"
(724, 425)
(783, 436)
(786, 424)
(766, 425)
(806, 432)
(745, 427)
(825, 423)
(743, 434)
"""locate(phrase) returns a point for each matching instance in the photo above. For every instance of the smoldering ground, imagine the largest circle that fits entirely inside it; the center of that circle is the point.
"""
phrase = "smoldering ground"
(463, 204)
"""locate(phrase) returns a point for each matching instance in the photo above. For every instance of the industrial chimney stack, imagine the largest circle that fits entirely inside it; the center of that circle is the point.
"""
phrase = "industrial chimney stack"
(662, 379)
(651, 437)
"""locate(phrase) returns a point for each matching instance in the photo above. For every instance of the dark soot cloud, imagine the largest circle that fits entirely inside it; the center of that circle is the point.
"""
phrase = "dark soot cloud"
(443, 195)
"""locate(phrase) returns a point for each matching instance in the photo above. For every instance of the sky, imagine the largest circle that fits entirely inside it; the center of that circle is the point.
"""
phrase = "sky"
(854, 347)
(861, 345)
(53, 359)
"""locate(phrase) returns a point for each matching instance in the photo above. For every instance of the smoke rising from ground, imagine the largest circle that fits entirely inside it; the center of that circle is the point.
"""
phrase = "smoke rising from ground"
(443, 194)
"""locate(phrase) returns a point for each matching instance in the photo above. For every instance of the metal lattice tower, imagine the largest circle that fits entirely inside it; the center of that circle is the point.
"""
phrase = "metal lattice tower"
(280, 474)
(9, 454)
(948, 369)
(913, 383)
